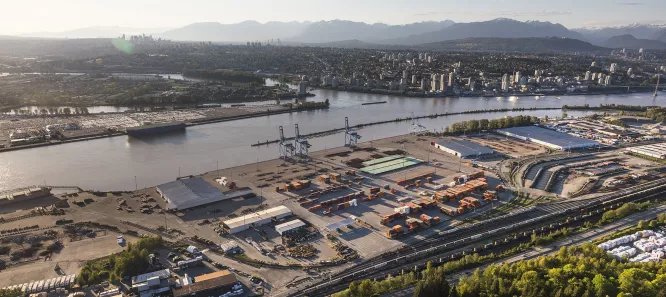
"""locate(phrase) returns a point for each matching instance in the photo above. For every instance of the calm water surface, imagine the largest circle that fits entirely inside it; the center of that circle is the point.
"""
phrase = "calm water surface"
(112, 163)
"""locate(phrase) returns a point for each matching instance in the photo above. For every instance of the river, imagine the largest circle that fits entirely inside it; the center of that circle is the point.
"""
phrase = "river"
(112, 163)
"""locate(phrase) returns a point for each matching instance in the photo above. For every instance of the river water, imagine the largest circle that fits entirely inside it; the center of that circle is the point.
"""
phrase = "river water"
(112, 163)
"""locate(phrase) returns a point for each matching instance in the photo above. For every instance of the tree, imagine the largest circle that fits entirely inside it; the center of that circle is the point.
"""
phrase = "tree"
(641, 224)
(603, 287)
(654, 224)
(636, 282)
(365, 289)
(11, 293)
(353, 289)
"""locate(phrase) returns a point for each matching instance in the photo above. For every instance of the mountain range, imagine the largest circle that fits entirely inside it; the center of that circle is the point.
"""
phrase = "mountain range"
(631, 42)
(96, 32)
(346, 33)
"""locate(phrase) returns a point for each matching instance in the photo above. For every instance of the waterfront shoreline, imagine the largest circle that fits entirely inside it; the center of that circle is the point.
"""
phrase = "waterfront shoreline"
(192, 123)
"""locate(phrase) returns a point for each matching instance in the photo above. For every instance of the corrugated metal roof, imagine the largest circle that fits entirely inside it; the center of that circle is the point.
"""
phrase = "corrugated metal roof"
(466, 147)
(205, 285)
(546, 136)
(211, 275)
(340, 224)
(381, 160)
(257, 216)
(297, 223)
(164, 273)
(186, 193)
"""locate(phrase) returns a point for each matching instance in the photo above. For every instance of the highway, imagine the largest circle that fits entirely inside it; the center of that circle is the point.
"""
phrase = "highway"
(449, 240)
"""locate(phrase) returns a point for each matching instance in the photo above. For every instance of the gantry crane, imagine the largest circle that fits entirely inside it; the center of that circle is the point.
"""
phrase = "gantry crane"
(301, 144)
(351, 136)
(286, 148)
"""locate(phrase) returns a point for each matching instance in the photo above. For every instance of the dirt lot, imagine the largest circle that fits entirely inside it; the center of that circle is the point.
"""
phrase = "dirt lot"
(70, 259)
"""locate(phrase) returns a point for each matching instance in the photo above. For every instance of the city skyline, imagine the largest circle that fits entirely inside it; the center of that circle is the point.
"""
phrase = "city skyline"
(56, 16)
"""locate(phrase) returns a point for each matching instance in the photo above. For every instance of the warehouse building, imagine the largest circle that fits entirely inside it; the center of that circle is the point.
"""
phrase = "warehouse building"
(259, 218)
(288, 227)
(464, 148)
(193, 192)
(657, 150)
(151, 284)
(212, 284)
(549, 138)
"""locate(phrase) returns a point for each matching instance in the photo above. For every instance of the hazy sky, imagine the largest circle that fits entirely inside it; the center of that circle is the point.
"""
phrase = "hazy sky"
(22, 16)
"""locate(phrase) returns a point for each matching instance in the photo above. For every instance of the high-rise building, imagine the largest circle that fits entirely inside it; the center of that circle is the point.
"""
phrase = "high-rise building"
(516, 78)
(442, 83)
(588, 75)
(424, 84)
(537, 73)
(405, 74)
(403, 84)
(594, 63)
(302, 88)
(413, 79)
(429, 59)
(452, 79)
(434, 84)
(608, 81)
(505, 82)
(594, 76)
(613, 67)
(640, 50)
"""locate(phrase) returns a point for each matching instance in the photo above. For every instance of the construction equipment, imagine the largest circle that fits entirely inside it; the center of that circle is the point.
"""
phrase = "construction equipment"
(351, 136)
(301, 144)
(395, 231)
(287, 149)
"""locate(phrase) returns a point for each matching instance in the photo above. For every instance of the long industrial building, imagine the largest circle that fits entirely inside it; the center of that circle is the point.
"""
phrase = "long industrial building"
(464, 148)
(259, 218)
(657, 150)
(552, 139)
(193, 192)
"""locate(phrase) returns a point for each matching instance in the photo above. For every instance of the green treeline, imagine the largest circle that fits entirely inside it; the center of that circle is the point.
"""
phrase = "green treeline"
(623, 107)
(130, 262)
(484, 124)
(225, 75)
(11, 293)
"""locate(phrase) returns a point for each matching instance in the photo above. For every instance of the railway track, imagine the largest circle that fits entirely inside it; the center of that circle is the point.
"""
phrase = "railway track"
(458, 237)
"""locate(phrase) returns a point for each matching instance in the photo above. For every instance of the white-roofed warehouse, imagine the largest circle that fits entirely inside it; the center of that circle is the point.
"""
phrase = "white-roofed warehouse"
(464, 148)
(193, 192)
(552, 139)
(289, 226)
(259, 218)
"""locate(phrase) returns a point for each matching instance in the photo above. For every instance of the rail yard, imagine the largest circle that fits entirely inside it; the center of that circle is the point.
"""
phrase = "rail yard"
(365, 210)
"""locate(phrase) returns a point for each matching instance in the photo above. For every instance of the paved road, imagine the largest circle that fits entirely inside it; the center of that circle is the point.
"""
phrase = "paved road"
(577, 239)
